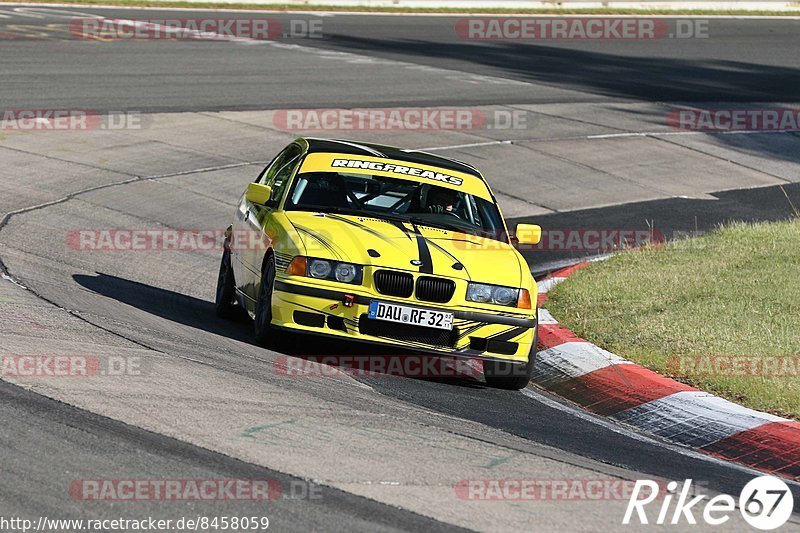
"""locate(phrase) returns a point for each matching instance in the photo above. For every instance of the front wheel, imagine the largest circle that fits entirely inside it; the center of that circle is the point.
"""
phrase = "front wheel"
(262, 325)
(508, 375)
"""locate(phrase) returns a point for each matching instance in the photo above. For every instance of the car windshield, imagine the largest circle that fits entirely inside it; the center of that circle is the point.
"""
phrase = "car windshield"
(396, 199)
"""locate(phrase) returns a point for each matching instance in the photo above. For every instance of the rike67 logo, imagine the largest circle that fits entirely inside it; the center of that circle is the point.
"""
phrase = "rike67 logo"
(765, 503)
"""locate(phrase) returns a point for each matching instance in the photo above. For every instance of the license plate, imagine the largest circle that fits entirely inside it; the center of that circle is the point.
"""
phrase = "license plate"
(410, 315)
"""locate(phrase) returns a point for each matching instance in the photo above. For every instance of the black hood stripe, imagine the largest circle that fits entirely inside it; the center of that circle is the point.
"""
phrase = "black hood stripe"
(454, 258)
(424, 253)
(328, 246)
(400, 226)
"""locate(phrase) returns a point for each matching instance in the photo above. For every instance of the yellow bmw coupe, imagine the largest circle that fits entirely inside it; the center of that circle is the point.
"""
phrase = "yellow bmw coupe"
(384, 245)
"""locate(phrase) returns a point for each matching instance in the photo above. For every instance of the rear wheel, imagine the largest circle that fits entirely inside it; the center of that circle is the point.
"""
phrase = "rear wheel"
(262, 325)
(225, 301)
(511, 376)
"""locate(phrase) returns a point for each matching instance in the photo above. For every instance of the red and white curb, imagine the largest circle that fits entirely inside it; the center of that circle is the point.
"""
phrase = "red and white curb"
(609, 385)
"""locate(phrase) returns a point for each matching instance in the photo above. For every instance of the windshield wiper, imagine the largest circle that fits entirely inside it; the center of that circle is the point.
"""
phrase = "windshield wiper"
(441, 225)
(415, 220)
(330, 209)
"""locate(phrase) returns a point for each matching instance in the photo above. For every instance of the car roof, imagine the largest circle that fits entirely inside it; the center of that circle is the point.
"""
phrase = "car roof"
(340, 146)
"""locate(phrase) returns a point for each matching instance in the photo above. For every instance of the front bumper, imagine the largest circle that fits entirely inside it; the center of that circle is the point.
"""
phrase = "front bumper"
(320, 309)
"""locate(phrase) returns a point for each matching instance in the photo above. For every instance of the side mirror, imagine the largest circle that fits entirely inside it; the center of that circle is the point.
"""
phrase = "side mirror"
(258, 193)
(528, 233)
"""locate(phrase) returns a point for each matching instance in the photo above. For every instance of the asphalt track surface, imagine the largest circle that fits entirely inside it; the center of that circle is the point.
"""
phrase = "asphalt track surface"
(739, 61)
(385, 451)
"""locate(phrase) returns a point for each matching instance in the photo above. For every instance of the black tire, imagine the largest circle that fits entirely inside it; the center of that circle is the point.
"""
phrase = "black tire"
(511, 376)
(225, 305)
(263, 330)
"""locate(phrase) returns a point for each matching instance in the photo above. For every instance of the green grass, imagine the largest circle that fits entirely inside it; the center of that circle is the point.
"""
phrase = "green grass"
(732, 292)
(345, 9)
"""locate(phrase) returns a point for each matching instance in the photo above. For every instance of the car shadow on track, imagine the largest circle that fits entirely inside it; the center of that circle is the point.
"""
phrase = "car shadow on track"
(630, 71)
(364, 362)
(627, 71)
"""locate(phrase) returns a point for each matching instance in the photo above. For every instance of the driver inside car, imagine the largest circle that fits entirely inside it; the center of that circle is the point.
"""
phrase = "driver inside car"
(441, 200)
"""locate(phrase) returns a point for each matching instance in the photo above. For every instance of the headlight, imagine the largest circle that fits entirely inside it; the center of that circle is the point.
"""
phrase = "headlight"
(481, 293)
(319, 268)
(325, 269)
(505, 296)
(477, 292)
(345, 272)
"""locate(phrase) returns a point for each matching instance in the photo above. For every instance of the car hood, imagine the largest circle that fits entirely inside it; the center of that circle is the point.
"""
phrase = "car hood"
(382, 243)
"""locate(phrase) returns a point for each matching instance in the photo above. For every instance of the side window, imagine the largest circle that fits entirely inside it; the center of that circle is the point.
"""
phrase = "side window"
(280, 181)
(288, 153)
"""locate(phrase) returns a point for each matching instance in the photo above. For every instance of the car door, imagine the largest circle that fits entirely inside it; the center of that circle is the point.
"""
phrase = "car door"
(250, 240)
